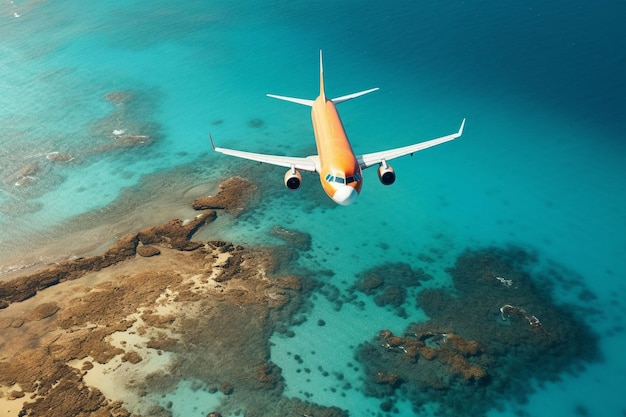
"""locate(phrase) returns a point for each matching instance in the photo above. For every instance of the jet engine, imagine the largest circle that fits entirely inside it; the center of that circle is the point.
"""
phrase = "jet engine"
(386, 174)
(293, 179)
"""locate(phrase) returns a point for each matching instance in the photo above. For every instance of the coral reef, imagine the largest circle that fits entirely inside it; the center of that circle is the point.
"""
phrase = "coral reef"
(487, 339)
(422, 361)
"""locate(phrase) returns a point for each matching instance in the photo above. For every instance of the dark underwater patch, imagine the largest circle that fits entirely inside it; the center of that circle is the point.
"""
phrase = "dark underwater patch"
(256, 123)
(389, 284)
(498, 330)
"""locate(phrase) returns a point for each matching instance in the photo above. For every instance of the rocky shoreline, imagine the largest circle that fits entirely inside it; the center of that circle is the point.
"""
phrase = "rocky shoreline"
(111, 334)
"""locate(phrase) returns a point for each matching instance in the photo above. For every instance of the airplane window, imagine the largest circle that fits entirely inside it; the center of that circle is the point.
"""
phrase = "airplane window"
(340, 180)
(350, 180)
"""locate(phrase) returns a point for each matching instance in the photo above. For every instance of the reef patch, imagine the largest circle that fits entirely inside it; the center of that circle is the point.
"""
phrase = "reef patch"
(128, 125)
(390, 283)
(488, 338)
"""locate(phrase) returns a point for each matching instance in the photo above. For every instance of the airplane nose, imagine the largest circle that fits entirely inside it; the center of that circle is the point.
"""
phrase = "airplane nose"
(345, 195)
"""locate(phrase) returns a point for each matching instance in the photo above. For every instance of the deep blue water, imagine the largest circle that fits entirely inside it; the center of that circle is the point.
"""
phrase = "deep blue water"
(541, 163)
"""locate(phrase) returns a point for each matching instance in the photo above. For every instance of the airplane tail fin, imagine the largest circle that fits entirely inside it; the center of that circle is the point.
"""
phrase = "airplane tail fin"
(342, 98)
(307, 102)
(322, 92)
(304, 101)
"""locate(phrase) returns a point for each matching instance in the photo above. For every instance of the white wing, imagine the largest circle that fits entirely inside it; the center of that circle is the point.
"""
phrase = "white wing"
(310, 163)
(369, 159)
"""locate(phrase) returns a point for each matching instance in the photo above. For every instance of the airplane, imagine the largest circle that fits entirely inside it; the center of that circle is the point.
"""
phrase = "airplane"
(339, 169)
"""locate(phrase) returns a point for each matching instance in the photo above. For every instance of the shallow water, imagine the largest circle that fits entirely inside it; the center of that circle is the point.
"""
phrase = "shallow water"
(541, 163)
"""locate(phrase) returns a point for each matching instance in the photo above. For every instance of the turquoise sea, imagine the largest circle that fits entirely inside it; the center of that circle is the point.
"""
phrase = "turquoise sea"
(98, 100)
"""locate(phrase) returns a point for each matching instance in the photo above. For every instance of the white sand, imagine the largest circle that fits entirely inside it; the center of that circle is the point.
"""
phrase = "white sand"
(11, 407)
(117, 378)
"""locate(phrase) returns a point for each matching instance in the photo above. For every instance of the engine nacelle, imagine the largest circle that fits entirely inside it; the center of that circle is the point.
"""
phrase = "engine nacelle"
(386, 174)
(293, 179)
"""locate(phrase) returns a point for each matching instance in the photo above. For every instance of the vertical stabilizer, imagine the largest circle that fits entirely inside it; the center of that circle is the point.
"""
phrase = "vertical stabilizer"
(307, 102)
(322, 93)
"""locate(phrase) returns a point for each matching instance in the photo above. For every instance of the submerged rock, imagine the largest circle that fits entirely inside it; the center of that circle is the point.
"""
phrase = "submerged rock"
(119, 97)
(59, 157)
(148, 251)
(388, 283)
(43, 311)
(24, 176)
(295, 239)
(129, 124)
(234, 195)
(132, 357)
(256, 123)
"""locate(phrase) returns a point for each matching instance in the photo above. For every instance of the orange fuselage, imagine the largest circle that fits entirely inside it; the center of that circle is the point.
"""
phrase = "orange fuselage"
(336, 156)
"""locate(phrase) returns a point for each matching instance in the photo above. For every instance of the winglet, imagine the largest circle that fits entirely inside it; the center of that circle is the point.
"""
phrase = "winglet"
(461, 128)
(212, 143)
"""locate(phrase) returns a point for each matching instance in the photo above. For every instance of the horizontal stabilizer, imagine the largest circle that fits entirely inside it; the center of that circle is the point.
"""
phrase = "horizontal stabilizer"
(302, 101)
(353, 95)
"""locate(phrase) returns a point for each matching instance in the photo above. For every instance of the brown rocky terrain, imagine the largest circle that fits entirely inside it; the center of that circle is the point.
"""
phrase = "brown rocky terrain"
(231, 202)
(109, 334)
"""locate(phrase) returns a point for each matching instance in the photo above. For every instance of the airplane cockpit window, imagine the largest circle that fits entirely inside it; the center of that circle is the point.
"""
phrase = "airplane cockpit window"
(342, 180)
(353, 178)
